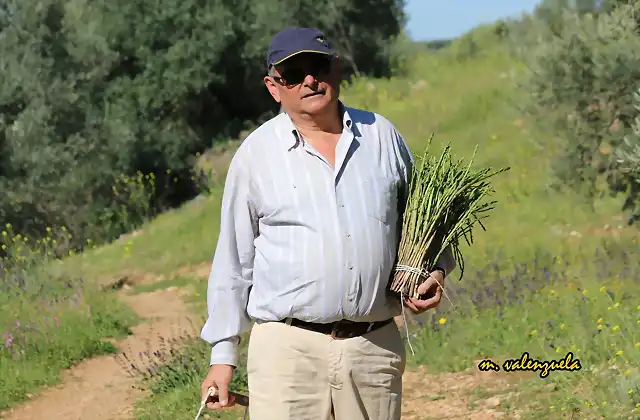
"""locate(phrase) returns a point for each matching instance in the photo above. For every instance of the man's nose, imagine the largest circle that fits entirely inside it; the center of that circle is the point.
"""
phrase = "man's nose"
(310, 80)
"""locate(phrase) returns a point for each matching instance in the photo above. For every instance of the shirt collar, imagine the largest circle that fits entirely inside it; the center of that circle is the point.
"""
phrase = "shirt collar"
(294, 138)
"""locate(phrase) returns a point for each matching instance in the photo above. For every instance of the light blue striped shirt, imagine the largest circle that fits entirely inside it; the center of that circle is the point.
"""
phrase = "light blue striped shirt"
(300, 238)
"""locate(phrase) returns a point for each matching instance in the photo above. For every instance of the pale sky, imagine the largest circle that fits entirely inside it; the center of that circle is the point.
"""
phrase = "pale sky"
(430, 20)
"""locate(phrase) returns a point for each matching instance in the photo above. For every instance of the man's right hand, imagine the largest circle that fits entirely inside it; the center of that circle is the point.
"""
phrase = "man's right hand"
(219, 377)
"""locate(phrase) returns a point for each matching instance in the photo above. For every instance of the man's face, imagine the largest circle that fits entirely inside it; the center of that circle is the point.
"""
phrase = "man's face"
(306, 83)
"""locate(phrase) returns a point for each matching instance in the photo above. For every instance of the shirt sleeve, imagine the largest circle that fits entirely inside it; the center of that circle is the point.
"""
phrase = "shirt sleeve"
(232, 269)
(407, 162)
(446, 261)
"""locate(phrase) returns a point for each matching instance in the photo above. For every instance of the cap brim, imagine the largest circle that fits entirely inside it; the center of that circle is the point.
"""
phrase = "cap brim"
(301, 52)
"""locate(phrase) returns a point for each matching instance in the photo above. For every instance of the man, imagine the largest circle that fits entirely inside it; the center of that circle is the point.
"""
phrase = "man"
(311, 218)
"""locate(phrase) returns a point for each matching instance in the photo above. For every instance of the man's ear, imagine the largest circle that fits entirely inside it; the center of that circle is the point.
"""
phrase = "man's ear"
(338, 63)
(273, 89)
(336, 69)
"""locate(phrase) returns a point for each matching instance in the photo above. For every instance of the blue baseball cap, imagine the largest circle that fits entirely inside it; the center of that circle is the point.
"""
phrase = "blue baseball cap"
(292, 41)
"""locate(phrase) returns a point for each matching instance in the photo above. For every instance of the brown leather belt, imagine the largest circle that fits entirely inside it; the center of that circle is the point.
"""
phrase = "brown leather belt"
(339, 329)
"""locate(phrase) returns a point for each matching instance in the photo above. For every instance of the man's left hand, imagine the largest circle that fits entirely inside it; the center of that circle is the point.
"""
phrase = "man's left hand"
(434, 282)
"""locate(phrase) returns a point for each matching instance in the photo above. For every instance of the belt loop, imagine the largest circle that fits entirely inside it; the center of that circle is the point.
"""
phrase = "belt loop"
(334, 330)
(288, 321)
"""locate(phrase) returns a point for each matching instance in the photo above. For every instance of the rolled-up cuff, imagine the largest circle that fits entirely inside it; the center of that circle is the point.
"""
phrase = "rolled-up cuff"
(225, 352)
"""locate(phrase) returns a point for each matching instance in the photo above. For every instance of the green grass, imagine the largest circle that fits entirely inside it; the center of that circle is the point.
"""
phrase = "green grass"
(162, 284)
(174, 239)
(49, 323)
(588, 307)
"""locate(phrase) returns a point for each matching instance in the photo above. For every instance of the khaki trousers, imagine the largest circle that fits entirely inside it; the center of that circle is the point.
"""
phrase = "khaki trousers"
(296, 374)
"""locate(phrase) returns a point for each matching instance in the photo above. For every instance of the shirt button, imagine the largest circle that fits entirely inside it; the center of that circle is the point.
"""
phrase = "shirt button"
(348, 235)
(350, 267)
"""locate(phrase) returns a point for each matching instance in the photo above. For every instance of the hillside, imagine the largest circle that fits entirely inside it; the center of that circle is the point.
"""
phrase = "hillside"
(465, 103)
(534, 281)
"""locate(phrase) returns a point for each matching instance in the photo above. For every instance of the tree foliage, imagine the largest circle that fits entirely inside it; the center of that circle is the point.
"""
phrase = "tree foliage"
(103, 103)
(583, 74)
(552, 12)
(628, 154)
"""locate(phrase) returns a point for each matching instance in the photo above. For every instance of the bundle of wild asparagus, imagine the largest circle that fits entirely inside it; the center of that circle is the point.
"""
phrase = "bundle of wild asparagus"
(444, 203)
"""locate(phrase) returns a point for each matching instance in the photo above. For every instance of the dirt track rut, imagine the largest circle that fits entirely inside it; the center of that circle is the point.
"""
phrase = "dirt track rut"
(99, 388)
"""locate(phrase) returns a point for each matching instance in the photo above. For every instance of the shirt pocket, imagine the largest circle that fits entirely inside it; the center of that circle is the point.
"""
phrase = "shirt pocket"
(381, 198)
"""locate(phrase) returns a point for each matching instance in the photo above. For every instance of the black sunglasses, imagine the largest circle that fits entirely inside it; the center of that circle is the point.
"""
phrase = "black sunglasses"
(291, 76)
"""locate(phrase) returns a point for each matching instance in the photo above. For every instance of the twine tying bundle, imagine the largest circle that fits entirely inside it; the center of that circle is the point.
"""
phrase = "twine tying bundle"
(412, 270)
(421, 274)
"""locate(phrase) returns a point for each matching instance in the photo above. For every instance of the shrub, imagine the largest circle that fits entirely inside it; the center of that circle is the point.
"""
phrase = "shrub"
(580, 87)
(95, 92)
(628, 154)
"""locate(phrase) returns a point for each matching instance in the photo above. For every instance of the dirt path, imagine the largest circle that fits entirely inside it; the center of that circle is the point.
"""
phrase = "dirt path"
(471, 395)
(99, 388)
